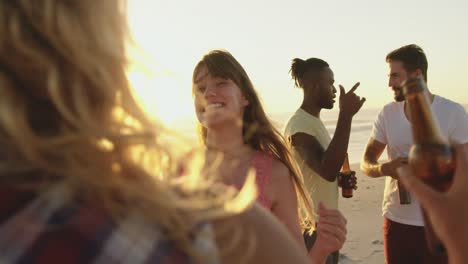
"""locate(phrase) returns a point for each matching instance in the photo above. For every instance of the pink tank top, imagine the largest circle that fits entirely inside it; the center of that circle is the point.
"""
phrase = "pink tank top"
(262, 163)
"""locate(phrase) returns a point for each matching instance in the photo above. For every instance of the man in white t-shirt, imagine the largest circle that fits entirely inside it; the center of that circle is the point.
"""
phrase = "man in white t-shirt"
(404, 238)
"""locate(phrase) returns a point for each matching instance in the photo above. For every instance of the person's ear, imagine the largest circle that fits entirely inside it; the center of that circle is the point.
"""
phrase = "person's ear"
(245, 102)
(416, 73)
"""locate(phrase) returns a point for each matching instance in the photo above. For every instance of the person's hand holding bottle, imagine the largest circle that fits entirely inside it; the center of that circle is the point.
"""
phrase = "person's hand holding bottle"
(448, 212)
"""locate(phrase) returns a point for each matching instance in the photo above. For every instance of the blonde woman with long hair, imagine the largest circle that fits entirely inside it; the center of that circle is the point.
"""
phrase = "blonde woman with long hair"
(85, 175)
(239, 137)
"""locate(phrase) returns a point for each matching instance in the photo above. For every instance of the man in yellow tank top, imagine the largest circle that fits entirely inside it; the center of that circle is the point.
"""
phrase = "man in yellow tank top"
(319, 156)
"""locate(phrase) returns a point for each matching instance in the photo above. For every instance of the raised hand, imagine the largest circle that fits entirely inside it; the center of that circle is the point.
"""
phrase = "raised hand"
(331, 230)
(350, 103)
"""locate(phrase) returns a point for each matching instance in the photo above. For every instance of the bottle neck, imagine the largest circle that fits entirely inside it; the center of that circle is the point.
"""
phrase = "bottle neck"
(423, 124)
(346, 167)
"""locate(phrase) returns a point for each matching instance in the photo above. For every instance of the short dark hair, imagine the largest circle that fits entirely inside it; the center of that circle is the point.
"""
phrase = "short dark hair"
(299, 67)
(412, 56)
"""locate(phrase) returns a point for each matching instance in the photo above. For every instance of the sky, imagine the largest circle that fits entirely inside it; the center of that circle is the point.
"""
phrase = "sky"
(354, 37)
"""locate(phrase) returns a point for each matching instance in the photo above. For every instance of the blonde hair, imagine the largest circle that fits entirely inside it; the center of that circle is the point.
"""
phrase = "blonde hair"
(257, 130)
(68, 115)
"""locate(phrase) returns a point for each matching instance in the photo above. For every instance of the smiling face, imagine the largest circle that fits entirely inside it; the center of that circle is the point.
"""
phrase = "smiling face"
(398, 74)
(396, 77)
(218, 101)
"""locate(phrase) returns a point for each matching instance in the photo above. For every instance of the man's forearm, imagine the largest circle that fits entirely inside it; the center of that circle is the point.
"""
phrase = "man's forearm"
(372, 169)
(335, 154)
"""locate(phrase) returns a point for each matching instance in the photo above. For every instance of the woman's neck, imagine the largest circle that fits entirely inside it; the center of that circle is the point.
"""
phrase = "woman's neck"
(226, 139)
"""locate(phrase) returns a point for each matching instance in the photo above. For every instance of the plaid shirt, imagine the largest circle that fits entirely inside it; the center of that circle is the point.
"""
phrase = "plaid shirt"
(42, 229)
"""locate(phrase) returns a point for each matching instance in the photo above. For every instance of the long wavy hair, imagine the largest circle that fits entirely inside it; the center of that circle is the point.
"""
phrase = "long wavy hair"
(68, 116)
(258, 131)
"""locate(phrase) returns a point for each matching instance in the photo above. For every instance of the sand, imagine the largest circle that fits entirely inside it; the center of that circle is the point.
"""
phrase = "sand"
(364, 242)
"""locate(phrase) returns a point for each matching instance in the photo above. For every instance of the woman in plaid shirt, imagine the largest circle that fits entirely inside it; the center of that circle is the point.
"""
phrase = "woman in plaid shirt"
(85, 176)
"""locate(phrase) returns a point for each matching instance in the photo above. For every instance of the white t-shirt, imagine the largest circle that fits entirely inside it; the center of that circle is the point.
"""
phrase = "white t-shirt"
(393, 129)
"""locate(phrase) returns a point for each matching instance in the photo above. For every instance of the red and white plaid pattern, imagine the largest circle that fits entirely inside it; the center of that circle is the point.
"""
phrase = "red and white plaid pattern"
(45, 229)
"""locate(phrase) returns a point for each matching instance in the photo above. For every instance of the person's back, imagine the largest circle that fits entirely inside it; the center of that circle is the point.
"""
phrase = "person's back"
(71, 187)
(46, 228)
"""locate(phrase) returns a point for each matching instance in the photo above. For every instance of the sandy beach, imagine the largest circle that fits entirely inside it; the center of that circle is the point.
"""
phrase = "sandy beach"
(364, 243)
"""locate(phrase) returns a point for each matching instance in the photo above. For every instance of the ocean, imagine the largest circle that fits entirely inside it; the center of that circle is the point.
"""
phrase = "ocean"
(360, 129)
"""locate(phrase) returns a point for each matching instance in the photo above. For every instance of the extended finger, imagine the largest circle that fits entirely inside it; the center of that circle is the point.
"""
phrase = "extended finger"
(354, 88)
(332, 230)
(338, 223)
(342, 90)
(363, 99)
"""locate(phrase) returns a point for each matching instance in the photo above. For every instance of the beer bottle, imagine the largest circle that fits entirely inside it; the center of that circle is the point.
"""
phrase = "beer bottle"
(405, 197)
(346, 174)
(431, 157)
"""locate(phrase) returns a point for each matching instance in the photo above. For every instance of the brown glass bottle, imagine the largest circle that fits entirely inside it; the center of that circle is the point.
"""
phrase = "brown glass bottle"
(346, 174)
(405, 197)
(431, 157)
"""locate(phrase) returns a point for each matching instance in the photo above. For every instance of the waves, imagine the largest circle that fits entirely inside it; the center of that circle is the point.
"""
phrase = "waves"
(361, 128)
